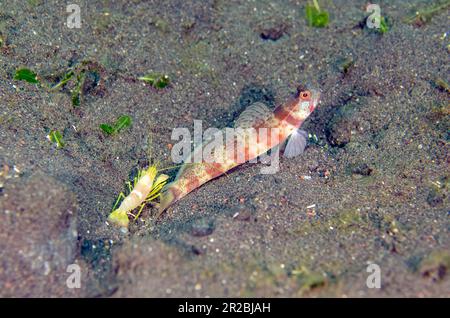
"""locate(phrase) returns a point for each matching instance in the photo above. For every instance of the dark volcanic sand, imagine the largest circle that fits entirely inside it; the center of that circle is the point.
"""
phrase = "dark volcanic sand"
(379, 172)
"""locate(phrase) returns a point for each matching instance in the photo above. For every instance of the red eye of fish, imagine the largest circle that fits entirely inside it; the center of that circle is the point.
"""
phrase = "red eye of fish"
(305, 95)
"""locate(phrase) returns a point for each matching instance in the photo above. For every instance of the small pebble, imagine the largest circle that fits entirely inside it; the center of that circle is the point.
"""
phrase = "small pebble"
(202, 227)
(273, 33)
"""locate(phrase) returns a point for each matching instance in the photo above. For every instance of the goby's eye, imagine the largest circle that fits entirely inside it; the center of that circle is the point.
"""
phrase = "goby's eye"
(305, 95)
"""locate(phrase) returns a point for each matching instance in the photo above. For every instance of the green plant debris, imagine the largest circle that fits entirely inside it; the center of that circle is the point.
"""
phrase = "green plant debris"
(67, 77)
(122, 122)
(157, 80)
(76, 92)
(383, 26)
(315, 16)
(313, 139)
(56, 137)
(109, 130)
(74, 78)
(309, 280)
(25, 74)
(424, 15)
(76, 99)
(441, 84)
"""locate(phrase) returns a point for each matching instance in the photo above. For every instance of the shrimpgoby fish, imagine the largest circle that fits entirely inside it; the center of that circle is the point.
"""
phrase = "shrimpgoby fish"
(286, 119)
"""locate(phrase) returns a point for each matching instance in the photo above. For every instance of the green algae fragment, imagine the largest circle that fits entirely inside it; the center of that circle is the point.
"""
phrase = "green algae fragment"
(77, 78)
(76, 99)
(56, 137)
(383, 26)
(157, 80)
(441, 84)
(315, 16)
(27, 75)
(121, 123)
(76, 92)
(107, 129)
(67, 77)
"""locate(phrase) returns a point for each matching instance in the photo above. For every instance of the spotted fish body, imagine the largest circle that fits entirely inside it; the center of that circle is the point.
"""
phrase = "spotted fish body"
(286, 118)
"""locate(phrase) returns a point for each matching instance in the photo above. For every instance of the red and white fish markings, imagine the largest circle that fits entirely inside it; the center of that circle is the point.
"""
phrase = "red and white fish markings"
(261, 130)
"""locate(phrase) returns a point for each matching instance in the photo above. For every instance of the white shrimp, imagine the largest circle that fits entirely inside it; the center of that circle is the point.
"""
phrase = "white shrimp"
(144, 190)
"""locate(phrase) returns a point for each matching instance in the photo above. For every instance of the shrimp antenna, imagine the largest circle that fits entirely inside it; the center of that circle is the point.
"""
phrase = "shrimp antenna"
(150, 146)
